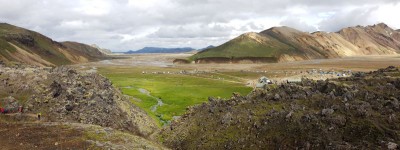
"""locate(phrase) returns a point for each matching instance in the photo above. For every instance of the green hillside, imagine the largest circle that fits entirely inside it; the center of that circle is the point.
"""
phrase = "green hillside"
(252, 46)
(247, 45)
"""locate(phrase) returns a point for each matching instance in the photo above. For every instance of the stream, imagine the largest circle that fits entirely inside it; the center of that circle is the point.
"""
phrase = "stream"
(159, 101)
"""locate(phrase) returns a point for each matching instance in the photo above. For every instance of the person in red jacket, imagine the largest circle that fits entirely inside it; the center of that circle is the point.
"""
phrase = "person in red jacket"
(20, 109)
(1, 110)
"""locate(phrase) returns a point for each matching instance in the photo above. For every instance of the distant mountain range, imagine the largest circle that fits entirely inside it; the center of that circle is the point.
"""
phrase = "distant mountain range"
(29, 47)
(208, 47)
(279, 44)
(161, 50)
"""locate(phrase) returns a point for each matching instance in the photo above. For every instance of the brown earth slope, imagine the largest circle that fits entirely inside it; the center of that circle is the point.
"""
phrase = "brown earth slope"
(22, 45)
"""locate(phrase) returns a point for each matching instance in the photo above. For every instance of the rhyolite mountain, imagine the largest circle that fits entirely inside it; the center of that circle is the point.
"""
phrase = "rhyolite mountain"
(160, 50)
(279, 44)
(30, 47)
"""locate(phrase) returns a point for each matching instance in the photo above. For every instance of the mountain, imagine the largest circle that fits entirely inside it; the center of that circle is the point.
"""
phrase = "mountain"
(103, 50)
(280, 44)
(22, 45)
(208, 47)
(358, 112)
(160, 50)
(373, 40)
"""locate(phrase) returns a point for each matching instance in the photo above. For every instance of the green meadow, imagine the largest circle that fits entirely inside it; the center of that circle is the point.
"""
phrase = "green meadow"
(177, 91)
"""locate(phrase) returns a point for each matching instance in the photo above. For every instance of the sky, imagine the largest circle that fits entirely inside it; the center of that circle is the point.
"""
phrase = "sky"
(121, 25)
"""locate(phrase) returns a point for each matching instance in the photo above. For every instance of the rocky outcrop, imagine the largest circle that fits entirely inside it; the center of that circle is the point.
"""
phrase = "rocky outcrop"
(359, 112)
(64, 95)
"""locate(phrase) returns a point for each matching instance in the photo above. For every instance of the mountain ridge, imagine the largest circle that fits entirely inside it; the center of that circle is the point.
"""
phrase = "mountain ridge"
(26, 46)
(289, 44)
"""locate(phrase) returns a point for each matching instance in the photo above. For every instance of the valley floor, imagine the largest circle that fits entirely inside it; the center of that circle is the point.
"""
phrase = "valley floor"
(179, 86)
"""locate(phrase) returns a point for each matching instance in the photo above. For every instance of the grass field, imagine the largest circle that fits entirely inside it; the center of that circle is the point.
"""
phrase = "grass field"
(177, 91)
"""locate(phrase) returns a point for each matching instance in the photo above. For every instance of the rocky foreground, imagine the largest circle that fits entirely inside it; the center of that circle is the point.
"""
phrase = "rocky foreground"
(359, 112)
(63, 95)
(83, 111)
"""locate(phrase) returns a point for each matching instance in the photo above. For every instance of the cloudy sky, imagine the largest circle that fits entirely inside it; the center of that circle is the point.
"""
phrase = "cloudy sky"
(122, 25)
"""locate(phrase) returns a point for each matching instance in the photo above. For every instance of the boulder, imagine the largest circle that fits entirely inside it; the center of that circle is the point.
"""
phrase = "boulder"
(327, 112)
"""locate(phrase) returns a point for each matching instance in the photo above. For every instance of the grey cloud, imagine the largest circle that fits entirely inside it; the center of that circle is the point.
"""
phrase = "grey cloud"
(178, 22)
(344, 19)
(192, 31)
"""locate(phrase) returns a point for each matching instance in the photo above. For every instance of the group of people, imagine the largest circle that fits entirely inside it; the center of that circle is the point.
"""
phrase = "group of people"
(20, 110)
(11, 110)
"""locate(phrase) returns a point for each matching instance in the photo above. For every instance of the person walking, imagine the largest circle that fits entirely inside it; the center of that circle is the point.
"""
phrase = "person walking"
(39, 115)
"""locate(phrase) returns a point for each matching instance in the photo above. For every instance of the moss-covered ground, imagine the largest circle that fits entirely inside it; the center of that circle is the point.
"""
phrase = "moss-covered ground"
(177, 91)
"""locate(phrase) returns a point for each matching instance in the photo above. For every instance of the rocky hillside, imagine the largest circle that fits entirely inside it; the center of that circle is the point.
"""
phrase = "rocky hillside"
(64, 95)
(359, 112)
(29, 47)
(279, 44)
